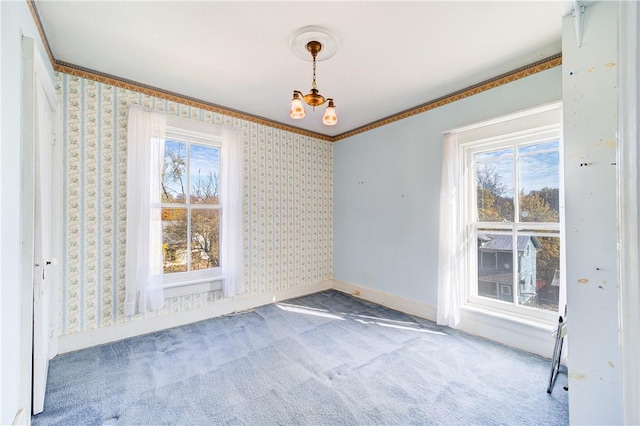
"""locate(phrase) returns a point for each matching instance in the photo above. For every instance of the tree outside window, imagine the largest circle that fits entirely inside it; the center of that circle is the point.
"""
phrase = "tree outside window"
(190, 206)
(520, 226)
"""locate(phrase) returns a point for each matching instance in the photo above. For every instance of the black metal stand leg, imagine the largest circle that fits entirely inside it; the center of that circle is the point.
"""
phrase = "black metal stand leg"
(557, 355)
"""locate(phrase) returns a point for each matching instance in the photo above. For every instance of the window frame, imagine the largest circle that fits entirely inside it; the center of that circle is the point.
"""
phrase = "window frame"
(189, 131)
(528, 127)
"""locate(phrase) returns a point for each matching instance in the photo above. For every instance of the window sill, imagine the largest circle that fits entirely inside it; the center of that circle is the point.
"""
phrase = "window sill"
(192, 286)
(500, 315)
(529, 334)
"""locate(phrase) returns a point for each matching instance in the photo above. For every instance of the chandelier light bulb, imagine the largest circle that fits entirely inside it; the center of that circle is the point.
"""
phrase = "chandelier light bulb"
(330, 118)
(297, 109)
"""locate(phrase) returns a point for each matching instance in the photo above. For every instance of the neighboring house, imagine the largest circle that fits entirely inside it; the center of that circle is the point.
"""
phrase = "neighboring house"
(548, 294)
(495, 269)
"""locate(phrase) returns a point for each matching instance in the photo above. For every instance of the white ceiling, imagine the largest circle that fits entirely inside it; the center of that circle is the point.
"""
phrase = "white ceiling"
(391, 55)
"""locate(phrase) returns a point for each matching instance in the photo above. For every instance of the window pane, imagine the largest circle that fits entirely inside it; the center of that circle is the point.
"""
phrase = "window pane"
(539, 272)
(174, 173)
(174, 240)
(494, 180)
(204, 170)
(539, 182)
(205, 238)
(495, 269)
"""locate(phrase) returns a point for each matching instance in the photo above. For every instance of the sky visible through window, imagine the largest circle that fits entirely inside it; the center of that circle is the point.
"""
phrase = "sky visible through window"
(203, 160)
(539, 166)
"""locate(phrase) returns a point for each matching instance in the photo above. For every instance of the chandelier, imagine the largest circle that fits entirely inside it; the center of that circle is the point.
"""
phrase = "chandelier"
(313, 98)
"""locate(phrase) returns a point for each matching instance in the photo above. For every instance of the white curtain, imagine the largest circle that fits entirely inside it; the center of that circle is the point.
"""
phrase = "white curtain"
(145, 156)
(451, 262)
(231, 197)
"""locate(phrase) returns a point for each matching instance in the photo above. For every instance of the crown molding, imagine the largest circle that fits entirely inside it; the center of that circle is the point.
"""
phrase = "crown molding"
(123, 83)
(78, 71)
(36, 19)
(511, 76)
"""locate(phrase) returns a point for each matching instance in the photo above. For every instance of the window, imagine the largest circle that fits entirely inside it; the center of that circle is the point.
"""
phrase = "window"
(191, 207)
(488, 259)
(505, 290)
(513, 198)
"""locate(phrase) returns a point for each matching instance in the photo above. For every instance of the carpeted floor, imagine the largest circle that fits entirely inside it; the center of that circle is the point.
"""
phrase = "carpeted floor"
(323, 359)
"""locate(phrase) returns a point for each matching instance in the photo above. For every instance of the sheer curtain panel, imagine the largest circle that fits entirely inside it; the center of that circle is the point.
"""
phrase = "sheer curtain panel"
(145, 155)
(451, 264)
(231, 197)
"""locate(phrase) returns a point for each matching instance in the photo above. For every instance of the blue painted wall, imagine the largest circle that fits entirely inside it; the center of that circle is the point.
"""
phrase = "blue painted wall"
(387, 189)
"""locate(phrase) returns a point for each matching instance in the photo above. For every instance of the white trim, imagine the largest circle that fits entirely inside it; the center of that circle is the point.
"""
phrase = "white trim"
(27, 217)
(628, 207)
(488, 140)
(45, 317)
(87, 339)
(47, 84)
(56, 234)
(545, 112)
(195, 287)
(402, 304)
(179, 279)
(21, 418)
(511, 330)
(43, 78)
(210, 133)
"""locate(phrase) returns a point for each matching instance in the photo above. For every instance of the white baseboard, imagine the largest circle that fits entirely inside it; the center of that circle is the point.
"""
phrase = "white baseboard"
(21, 418)
(532, 338)
(402, 304)
(525, 335)
(86, 339)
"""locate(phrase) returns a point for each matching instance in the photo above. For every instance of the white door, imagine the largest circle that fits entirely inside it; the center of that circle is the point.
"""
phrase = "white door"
(45, 271)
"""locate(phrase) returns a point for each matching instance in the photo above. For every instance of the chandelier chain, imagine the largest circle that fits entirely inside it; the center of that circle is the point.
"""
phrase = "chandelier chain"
(313, 85)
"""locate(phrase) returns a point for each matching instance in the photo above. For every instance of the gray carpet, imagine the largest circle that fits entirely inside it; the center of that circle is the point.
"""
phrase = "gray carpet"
(323, 359)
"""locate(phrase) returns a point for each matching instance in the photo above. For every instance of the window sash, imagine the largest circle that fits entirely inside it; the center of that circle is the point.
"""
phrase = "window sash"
(191, 132)
(471, 147)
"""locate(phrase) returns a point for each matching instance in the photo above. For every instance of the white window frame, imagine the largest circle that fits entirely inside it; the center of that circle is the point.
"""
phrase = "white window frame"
(530, 126)
(191, 131)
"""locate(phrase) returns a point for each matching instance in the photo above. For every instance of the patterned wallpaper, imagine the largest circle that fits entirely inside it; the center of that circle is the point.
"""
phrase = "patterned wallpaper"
(288, 205)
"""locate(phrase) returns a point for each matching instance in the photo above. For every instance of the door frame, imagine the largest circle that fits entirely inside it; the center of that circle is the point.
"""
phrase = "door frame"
(35, 72)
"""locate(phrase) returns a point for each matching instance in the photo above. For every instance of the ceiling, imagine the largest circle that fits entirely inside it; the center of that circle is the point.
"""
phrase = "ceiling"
(391, 55)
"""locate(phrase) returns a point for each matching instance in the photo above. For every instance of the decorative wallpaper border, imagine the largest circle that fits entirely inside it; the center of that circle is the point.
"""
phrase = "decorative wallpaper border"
(511, 76)
(123, 83)
(78, 71)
